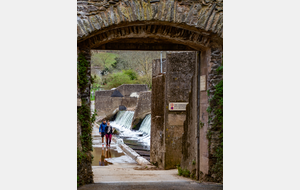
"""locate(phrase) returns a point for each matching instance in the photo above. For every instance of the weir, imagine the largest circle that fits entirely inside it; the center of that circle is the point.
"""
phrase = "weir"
(146, 125)
(138, 140)
(124, 119)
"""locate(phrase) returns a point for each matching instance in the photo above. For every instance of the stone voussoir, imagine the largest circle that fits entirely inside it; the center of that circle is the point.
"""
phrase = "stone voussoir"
(202, 15)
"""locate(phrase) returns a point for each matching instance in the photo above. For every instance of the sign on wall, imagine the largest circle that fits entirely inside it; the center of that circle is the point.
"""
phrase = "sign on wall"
(78, 102)
(177, 106)
(203, 83)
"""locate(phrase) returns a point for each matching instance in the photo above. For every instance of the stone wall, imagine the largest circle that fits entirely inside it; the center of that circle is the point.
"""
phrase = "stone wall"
(157, 149)
(107, 106)
(79, 146)
(129, 102)
(167, 126)
(202, 125)
(96, 21)
(84, 157)
(143, 108)
(127, 89)
(189, 159)
(215, 115)
(180, 70)
(104, 93)
(203, 144)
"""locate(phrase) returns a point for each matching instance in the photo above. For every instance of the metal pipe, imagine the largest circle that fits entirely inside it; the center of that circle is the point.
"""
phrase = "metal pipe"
(161, 62)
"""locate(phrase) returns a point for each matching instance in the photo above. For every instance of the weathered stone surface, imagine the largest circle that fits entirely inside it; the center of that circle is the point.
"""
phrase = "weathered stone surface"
(214, 77)
(143, 108)
(180, 70)
(190, 135)
(167, 126)
(157, 150)
(127, 89)
(130, 102)
(104, 93)
(84, 169)
(175, 119)
(107, 106)
(204, 16)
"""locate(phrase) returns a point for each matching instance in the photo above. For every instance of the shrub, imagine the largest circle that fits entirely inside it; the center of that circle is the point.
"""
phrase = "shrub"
(183, 172)
(117, 79)
(132, 74)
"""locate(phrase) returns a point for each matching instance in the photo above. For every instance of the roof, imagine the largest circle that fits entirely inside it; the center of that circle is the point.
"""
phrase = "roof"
(116, 93)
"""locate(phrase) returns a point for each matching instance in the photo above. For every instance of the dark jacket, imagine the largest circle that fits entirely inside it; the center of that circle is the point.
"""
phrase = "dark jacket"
(108, 132)
(102, 127)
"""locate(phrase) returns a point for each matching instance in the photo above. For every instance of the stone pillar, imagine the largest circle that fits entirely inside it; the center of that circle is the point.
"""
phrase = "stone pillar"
(190, 138)
(167, 126)
(157, 149)
(203, 154)
(85, 93)
(180, 70)
(84, 169)
(215, 127)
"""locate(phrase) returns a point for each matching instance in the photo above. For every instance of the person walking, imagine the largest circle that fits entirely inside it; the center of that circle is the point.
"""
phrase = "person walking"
(108, 132)
(102, 130)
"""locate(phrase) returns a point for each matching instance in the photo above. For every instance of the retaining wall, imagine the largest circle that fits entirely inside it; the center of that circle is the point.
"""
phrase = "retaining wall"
(143, 108)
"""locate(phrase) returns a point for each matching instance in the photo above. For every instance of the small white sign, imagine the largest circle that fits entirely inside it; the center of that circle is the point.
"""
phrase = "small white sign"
(203, 83)
(177, 106)
(78, 102)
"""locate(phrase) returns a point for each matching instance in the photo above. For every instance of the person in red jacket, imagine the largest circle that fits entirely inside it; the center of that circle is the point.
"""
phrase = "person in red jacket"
(108, 133)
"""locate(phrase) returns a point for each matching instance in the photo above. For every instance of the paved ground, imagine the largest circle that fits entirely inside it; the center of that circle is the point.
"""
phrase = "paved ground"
(152, 186)
(125, 173)
(122, 175)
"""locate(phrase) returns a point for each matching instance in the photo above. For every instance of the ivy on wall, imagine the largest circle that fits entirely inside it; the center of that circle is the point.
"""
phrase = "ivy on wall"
(215, 133)
(85, 118)
(82, 67)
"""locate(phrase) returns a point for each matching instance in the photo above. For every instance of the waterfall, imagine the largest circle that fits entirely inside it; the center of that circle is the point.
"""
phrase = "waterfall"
(119, 116)
(123, 124)
(124, 119)
(146, 125)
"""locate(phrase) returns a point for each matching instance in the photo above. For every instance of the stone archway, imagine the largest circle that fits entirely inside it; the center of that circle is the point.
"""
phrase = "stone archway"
(190, 21)
(157, 25)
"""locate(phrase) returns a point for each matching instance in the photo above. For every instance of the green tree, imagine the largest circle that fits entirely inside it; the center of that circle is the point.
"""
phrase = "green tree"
(103, 61)
(117, 79)
(132, 74)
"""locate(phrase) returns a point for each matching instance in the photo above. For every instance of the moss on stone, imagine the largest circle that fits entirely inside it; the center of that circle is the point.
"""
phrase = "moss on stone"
(215, 111)
(84, 157)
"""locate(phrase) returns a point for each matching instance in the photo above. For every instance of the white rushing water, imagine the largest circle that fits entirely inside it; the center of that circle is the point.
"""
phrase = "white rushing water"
(146, 125)
(123, 124)
(124, 118)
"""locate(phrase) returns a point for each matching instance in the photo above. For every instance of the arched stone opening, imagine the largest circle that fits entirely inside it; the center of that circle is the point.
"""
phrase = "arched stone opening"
(159, 25)
(152, 34)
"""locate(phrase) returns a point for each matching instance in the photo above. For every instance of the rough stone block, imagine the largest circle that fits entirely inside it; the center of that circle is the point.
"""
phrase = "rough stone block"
(175, 119)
